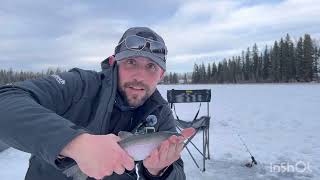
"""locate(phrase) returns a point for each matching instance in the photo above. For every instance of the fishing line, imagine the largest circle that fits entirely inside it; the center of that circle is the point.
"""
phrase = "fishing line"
(253, 160)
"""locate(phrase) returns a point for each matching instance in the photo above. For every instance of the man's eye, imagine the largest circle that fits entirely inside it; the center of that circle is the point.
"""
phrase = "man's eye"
(131, 61)
(152, 67)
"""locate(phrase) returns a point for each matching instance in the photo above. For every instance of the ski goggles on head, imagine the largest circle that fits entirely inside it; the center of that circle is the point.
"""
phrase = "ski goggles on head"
(138, 43)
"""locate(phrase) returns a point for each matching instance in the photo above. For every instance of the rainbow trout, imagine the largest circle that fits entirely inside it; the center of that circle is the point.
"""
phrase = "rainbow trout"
(138, 146)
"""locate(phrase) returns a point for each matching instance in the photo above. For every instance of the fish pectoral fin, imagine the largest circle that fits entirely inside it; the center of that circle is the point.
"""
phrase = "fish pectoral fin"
(124, 134)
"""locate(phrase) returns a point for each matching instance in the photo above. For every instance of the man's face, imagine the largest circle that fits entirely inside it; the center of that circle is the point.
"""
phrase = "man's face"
(138, 78)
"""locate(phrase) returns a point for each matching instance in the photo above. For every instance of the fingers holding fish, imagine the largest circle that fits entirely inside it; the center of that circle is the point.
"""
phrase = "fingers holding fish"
(127, 161)
(178, 142)
(153, 159)
(119, 169)
(171, 148)
(164, 151)
(174, 139)
(99, 155)
(121, 159)
(185, 134)
(124, 159)
(172, 154)
(188, 132)
(106, 172)
(179, 147)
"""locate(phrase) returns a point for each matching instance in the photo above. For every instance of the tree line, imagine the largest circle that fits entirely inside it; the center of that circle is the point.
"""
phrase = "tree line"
(10, 76)
(285, 61)
(171, 78)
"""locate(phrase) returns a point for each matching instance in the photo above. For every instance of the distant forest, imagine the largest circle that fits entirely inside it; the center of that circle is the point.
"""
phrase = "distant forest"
(9, 76)
(285, 61)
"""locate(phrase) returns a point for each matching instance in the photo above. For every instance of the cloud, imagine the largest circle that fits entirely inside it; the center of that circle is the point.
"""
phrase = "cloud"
(82, 33)
(62, 38)
(220, 29)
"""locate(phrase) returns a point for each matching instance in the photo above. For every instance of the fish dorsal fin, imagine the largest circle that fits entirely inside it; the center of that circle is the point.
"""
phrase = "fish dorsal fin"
(124, 134)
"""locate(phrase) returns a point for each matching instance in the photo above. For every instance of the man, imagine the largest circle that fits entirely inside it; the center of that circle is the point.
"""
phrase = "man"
(74, 117)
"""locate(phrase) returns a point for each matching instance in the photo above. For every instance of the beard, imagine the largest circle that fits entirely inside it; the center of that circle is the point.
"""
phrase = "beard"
(135, 99)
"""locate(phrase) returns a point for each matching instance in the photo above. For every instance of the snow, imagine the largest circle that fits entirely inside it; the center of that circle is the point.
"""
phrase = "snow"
(278, 122)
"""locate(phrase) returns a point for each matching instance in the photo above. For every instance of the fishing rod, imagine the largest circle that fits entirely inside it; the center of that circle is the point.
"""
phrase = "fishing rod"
(253, 160)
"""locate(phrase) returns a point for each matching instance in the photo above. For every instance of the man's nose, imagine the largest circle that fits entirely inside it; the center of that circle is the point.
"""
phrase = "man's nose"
(139, 74)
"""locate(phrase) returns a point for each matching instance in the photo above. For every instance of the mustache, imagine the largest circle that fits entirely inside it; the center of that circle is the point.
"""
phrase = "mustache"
(136, 83)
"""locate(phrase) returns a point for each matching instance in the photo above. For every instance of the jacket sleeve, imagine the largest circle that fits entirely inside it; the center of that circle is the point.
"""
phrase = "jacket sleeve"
(175, 171)
(30, 119)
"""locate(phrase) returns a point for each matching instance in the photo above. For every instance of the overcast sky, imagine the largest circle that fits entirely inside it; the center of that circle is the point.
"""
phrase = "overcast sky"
(38, 34)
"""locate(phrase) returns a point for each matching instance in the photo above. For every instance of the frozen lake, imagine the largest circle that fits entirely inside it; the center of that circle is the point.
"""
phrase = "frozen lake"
(279, 123)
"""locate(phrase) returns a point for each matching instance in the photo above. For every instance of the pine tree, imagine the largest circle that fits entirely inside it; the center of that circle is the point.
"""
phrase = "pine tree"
(175, 78)
(315, 64)
(308, 58)
(220, 73)
(226, 72)
(255, 58)
(170, 78)
(243, 62)
(239, 74)
(266, 64)
(247, 65)
(275, 61)
(214, 72)
(232, 70)
(208, 78)
(283, 55)
(195, 74)
(299, 60)
(203, 73)
(260, 68)
(318, 63)
(166, 79)
(289, 59)
(185, 79)
(283, 62)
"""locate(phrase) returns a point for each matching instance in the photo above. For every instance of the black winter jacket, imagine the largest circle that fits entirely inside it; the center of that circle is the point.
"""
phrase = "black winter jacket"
(41, 116)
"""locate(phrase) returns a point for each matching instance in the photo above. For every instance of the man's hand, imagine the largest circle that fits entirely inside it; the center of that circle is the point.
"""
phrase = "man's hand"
(167, 153)
(98, 155)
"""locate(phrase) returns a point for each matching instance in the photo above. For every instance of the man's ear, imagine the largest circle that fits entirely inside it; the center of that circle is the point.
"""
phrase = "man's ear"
(111, 59)
(162, 75)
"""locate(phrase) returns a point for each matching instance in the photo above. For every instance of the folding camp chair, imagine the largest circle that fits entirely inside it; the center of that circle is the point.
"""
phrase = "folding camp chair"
(202, 123)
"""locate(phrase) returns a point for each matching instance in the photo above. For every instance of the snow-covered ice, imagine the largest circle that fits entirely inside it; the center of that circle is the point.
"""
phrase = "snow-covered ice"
(279, 123)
